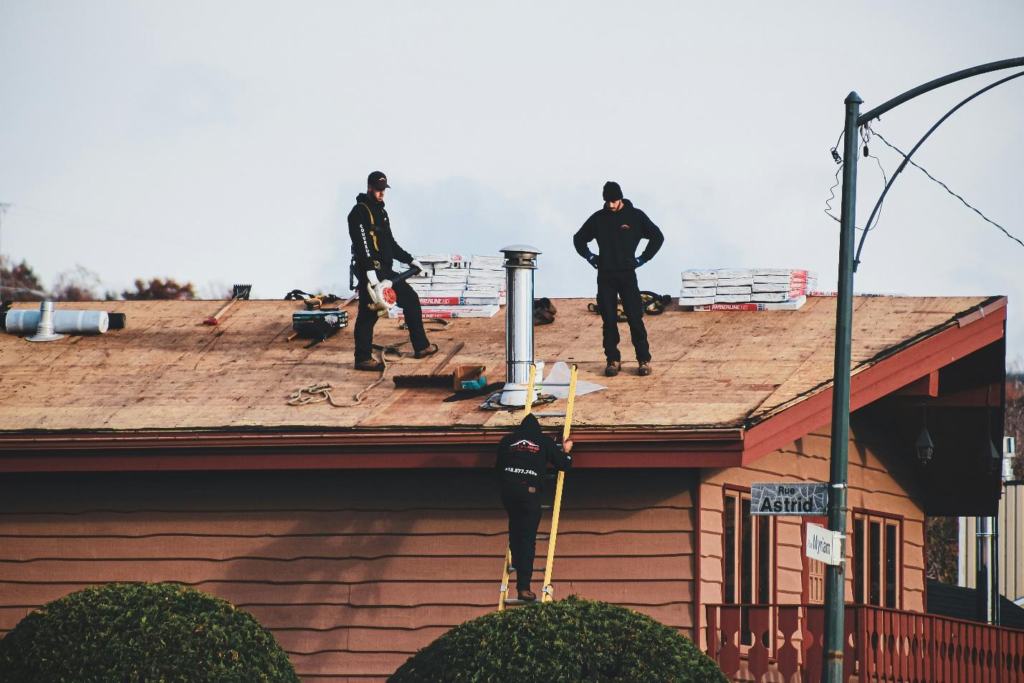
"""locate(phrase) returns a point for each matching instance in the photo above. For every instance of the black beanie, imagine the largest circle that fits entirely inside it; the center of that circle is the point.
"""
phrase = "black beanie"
(612, 191)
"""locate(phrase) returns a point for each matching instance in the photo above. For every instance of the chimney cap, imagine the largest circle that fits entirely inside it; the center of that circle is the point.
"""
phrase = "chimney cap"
(520, 249)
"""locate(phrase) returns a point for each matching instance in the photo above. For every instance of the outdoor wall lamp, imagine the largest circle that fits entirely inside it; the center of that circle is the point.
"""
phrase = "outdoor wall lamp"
(925, 446)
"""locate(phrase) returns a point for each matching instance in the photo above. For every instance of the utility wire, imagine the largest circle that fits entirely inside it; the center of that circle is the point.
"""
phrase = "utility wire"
(945, 187)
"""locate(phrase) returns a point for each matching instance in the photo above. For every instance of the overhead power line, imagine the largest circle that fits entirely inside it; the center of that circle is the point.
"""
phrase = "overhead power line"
(945, 187)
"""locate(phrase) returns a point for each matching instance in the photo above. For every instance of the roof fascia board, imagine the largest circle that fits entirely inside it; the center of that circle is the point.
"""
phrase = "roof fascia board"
(875, 381)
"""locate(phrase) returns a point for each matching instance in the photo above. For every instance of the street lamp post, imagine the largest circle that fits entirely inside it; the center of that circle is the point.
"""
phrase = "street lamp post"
(835, 583)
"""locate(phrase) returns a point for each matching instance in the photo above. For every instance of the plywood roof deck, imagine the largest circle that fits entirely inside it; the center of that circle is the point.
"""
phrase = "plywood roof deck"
(167, 371)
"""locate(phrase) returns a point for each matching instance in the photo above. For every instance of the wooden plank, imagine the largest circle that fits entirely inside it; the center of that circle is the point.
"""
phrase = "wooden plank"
(403, 568)
(574, 543)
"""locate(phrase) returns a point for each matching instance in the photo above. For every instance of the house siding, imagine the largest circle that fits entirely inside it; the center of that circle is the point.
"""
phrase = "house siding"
(877, 483)
(353, 571)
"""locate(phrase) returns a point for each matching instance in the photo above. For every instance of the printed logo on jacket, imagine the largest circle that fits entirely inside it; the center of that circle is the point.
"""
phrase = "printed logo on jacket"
(525, 445)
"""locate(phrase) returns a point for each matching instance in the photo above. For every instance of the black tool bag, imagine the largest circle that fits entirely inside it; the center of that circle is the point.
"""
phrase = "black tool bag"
(319, 324)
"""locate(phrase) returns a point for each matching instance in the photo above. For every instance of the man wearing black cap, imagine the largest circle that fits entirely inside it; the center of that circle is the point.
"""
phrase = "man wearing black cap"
(374, 249)
(523, 458)
(618, 229)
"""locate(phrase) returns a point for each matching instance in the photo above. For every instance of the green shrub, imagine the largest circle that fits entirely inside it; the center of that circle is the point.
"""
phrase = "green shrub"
(139, 632)
(568, 640)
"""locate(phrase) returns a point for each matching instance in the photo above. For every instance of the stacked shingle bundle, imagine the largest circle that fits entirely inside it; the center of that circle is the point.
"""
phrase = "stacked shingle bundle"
(455, 287)
(745, 289)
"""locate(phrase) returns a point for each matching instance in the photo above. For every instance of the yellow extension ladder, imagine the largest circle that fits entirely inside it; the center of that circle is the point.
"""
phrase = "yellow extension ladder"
(547, 594)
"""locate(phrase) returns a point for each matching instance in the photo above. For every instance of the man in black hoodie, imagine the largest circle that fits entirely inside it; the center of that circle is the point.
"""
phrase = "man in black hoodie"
(523, 457)
(618, 229)
(374, 250)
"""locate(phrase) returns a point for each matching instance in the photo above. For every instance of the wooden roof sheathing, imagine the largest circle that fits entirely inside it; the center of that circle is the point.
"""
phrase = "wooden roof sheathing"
(168, 371)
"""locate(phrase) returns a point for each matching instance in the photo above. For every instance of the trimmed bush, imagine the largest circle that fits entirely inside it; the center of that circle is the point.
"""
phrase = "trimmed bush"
(568, 640)
(142, 632)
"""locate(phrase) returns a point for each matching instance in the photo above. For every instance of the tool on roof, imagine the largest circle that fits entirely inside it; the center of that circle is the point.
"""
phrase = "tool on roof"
(556, 507)
(382, 294)
(238, 293)
(461, 377)
(319, 325)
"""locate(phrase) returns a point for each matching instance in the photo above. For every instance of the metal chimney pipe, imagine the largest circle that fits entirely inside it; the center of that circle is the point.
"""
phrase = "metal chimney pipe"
(520, 263)
(44, 332)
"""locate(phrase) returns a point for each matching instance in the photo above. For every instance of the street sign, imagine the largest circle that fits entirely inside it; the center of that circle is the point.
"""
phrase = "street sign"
(782, 498)
(823, 544)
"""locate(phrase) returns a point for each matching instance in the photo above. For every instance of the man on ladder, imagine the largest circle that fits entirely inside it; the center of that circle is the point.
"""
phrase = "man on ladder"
(523, 457)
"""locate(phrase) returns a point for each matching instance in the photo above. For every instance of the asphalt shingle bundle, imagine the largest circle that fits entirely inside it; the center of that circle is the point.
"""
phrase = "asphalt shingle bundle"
(745, 289)
(455, 287)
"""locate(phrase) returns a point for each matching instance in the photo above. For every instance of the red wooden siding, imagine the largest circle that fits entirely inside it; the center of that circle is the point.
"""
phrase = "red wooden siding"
(353, 571)
(877, 481)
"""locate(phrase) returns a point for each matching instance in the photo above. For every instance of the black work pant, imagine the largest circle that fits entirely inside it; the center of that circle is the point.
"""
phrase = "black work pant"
(612, 285)
(408, 301)
(523, 510)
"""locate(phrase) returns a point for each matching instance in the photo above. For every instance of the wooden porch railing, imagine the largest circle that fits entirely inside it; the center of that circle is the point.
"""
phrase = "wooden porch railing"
(881, 645)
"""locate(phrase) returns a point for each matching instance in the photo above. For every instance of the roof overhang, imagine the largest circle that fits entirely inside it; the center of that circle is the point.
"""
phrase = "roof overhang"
(597, 447)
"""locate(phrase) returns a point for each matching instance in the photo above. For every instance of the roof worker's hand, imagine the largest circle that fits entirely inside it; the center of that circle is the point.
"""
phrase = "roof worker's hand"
(418, 266)
(640, 261)
(592, 260)
(371, 277)
(567, 445)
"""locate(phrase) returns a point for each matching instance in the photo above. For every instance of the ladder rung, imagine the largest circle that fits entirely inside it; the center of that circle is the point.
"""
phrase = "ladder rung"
(539, 569)
(549, 414)
(545, 507)
(543, 537)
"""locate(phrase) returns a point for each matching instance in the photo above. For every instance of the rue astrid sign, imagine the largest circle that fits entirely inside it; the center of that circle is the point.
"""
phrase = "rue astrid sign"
(788, 499)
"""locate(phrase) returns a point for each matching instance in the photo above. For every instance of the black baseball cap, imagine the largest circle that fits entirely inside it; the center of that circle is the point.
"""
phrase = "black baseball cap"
(612, 192)
(377, 181)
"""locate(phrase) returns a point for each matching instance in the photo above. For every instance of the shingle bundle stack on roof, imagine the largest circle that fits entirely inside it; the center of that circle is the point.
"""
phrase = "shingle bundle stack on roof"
(454, 287)
(746, 289)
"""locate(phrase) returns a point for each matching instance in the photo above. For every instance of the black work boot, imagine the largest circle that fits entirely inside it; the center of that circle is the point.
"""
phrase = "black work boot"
(370, 365)
(527, 595)
(612, 368)
(644, 369)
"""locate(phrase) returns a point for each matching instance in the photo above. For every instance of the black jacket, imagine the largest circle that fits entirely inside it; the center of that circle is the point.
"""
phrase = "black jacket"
(618, 233)
(523, 455)
(373, 245)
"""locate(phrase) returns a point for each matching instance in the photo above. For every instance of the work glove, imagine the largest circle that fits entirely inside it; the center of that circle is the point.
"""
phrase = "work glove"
(371, 277)
(640, 261)
(417, 265)
(592, 260)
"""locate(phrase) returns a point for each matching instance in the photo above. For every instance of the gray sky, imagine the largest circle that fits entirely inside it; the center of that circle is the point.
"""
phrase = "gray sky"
(224, 142)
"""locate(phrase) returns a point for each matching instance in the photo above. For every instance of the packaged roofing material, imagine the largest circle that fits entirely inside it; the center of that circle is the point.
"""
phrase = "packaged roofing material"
(726, 273)
(778, 271)
(780, 287)
(735, 281)
(458, 276)
(732, 298)
(700, 275)
(720, 290)
(439, 258)
(451, 312)
(697, 291)
(790, 305)
(696, 300)
(774, 297)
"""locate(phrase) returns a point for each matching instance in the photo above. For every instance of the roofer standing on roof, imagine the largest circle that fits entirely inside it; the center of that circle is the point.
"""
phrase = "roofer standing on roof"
(618, 229)
(374, 251)
(523, 457)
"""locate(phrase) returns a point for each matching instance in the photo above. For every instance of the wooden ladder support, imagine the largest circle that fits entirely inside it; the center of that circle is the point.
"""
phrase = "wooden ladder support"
(548, 592)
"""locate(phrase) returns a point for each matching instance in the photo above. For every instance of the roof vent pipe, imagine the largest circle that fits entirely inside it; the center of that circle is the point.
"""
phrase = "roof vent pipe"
(44, 332)
(520, 263)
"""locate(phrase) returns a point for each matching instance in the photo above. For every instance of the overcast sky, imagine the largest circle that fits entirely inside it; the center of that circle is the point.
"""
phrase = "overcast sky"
(224, 142)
